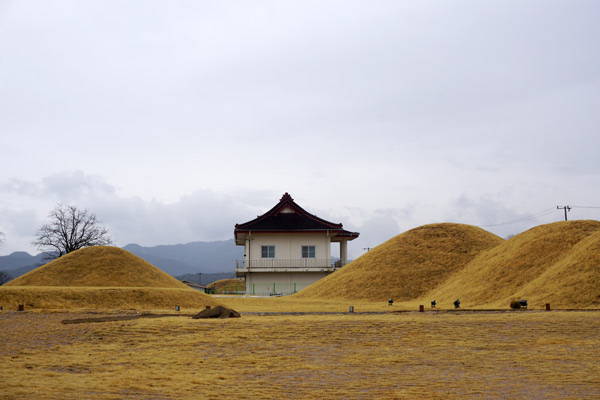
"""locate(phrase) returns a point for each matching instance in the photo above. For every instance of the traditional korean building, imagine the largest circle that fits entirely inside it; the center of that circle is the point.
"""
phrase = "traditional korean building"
(287, 249)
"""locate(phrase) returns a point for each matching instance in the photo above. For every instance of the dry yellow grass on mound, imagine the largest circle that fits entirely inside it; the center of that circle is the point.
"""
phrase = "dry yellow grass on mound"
(98, 266)
(557, 263)
(101, 277)
(228, 286)
(103, 298)
(406, 266)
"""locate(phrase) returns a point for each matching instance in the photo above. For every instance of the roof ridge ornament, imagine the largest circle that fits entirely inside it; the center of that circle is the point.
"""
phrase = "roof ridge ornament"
(285, 197)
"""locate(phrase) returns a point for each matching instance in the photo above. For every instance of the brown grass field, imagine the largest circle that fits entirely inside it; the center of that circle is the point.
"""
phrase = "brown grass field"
(308, 346)
(387, 355)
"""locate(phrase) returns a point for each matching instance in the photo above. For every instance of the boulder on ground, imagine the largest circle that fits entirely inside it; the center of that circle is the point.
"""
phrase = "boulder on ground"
(217, 312)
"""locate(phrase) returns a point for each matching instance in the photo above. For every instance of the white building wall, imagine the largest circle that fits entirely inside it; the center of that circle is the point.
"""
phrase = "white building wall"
(288, 247)
(264, 283)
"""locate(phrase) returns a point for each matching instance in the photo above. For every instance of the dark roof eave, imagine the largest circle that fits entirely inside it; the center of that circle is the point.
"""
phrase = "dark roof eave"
(288, 201)
(339, 233)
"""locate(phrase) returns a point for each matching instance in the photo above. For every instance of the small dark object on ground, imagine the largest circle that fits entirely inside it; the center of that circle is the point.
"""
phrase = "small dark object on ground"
(433, 303)
(523, 303)
(390, 302)
(217, 312)
(457, 303)
(518, 304)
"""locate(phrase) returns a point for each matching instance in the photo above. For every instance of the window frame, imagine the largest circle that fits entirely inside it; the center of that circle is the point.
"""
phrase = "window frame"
(305, 251)
(269, 250)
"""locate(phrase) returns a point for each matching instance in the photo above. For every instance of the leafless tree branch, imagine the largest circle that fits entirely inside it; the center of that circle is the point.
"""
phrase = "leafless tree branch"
(70, 229)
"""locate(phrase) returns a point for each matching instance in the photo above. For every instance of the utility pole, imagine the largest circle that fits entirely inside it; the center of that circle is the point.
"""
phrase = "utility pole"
(566, 208)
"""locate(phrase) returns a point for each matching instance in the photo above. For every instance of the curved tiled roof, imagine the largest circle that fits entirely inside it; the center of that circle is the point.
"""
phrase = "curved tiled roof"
(287, 216)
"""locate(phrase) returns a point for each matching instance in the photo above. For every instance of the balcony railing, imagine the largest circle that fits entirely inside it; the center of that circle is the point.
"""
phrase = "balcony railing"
(296, 264)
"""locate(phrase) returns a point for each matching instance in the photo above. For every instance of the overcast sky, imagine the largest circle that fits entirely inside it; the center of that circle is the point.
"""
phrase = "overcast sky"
(174, 120)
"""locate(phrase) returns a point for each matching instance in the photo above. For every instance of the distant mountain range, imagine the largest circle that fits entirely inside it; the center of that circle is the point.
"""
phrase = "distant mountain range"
(194, 257)
(20, 262)
(186, 260)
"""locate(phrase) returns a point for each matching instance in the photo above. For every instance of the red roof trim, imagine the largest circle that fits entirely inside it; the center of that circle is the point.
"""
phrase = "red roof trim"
(287, 201)
(337, 232)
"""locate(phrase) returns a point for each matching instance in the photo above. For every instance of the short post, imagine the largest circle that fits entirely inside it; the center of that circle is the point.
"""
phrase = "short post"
(21, 307)
(253, 289)
(351, 309)
(294, 287)
(547, 306)
(176, 308)
(274, 288)
(421, 308)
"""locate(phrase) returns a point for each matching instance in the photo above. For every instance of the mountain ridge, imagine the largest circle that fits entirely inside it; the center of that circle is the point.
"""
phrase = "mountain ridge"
(177, 259)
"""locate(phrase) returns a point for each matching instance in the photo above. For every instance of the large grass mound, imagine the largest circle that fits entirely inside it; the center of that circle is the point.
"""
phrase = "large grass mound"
(557, 263)
(98, 266)
(100, 277)
(406, 266)
(233, 285)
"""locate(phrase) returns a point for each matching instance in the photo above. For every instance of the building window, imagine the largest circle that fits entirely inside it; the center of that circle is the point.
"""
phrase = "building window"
(267, 251)
(308, 251)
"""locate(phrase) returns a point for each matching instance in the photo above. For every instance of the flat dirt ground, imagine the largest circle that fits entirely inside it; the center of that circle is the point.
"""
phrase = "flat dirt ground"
(508, 355)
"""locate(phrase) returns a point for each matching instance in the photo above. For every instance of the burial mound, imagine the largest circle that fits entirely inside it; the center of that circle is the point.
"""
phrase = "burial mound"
(406, 266)
(104, 266)
(101, 277)
(557, 263)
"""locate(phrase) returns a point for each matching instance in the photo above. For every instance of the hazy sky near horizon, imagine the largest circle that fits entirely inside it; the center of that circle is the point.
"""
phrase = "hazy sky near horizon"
(172, 121)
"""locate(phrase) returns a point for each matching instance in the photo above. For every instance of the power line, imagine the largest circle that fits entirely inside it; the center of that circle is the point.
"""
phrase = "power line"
(566, 208)
(534, 216)
(540, 214)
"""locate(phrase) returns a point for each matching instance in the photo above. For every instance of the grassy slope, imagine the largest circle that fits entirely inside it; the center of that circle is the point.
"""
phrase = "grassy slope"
(98, 266)
(556, 263)
(406, 266)
(103, 298)
(230, 284)
(100, 277)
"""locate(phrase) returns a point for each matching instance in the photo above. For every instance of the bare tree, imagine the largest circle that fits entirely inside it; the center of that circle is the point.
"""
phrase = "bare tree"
(5, 277)
(70, 229)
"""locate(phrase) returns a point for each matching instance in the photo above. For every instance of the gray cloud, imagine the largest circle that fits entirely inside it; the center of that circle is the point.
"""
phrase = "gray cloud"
(203, 215)
(156, 110)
